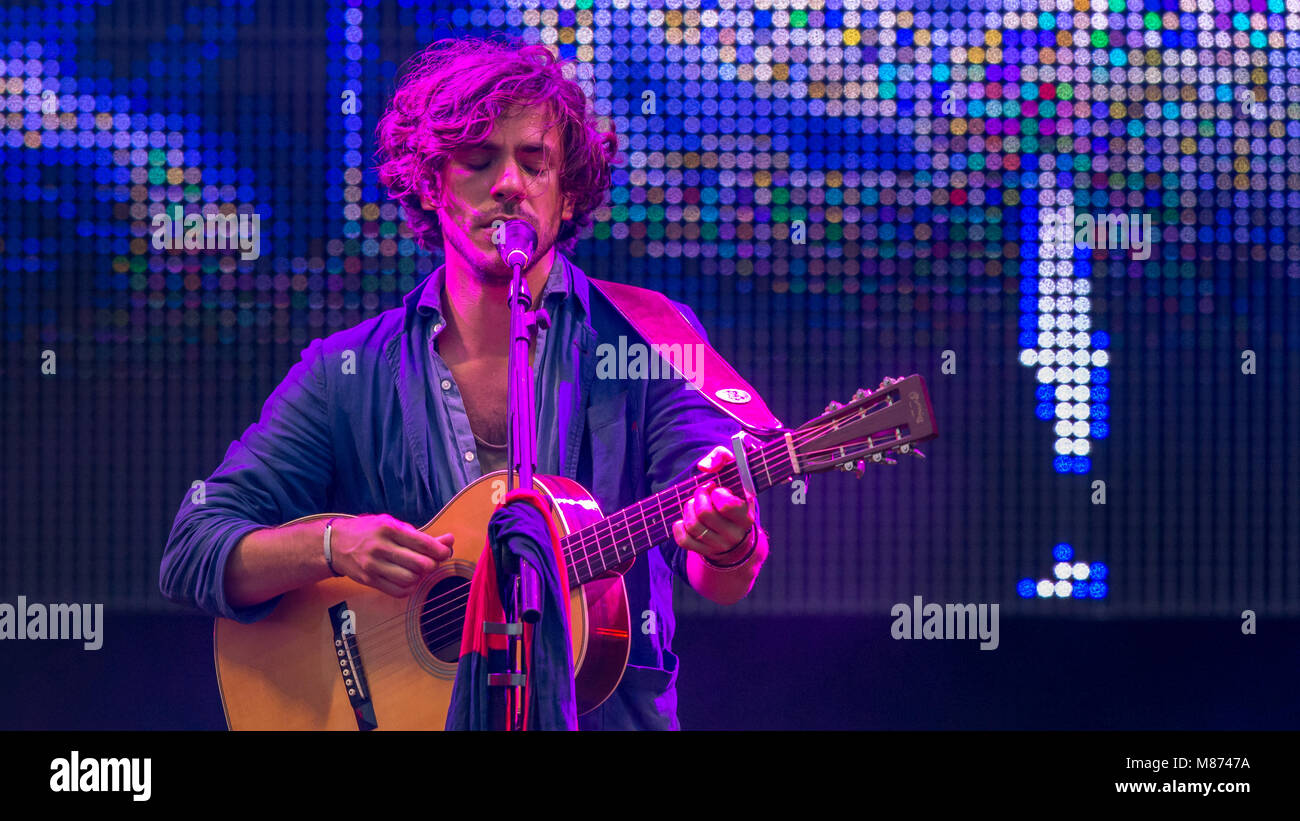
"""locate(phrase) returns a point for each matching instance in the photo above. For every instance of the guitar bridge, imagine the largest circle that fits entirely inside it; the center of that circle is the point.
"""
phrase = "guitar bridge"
(343, 621)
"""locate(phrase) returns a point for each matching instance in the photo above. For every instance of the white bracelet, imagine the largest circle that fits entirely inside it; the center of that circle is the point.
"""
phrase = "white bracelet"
(329, 560)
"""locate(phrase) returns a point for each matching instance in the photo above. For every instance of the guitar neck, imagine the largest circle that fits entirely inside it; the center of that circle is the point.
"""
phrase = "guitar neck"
(594, 550)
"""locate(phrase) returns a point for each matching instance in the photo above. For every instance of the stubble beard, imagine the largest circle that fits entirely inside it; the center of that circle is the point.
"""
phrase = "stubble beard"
(490, 269)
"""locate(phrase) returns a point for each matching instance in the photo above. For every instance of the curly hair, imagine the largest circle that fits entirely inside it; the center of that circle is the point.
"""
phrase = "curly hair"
(451, 96)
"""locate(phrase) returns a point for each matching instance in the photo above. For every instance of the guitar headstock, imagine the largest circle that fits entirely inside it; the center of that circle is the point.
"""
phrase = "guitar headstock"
(875, 424)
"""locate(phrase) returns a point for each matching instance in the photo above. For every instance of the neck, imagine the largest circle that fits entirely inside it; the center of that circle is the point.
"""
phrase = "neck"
(476, 308)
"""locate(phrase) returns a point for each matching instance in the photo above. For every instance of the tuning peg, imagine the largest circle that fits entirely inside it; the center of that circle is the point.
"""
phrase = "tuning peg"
(860, 393)
(883, 459)
(833, 406)
(908, 450)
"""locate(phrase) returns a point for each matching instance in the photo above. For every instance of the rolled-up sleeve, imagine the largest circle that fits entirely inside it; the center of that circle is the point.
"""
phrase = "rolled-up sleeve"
(681, 428)
(278, 470)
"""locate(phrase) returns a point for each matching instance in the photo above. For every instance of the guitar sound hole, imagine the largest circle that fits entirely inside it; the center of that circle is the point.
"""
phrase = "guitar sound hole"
(444, 617)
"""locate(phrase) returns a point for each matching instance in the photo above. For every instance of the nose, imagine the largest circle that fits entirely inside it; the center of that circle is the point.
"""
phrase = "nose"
(510, 184)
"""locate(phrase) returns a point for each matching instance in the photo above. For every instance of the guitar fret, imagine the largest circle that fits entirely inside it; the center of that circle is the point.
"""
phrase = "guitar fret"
(641, 526)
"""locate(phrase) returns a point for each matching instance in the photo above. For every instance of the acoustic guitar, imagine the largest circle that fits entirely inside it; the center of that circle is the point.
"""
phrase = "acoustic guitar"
(337, 655)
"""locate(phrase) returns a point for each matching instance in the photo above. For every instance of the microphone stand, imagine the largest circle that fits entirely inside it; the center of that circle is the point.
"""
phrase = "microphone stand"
(524, 603)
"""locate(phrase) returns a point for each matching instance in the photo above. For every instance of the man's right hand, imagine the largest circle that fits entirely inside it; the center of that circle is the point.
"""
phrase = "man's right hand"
(386, 553)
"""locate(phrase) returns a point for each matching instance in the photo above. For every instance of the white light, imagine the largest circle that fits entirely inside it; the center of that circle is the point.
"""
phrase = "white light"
(1081, 375)
(1079, 429)
(1029, 357)
(1081, 410)
(1080, 570)
(1064, 393)
(1100, 359)
(1064, 446)
(1045, 304)
(1064, 375)
(1063, 410)
(1065, 321)
(1045, 589)
(1063, 428)
(1083, 322)
(1064, 304)
(1083, 286)
(1046, 322)
(1063, 589)
(1062, 570)
(1046, 339)
(1046, 357)
(1046, 375)
(1082, 447)
(1082, 339)
(1047, 286)
(1082, 304)
(1082, 393)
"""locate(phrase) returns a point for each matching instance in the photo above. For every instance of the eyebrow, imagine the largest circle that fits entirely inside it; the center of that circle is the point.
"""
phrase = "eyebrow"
(528, 148)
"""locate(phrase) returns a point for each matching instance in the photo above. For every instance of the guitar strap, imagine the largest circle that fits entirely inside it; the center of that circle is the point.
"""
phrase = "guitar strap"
(657, 320)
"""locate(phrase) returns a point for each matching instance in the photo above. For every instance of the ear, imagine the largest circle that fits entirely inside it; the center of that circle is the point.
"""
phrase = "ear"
(567, 213)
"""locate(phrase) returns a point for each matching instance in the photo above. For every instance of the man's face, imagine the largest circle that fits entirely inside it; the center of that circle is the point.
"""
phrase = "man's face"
(514, 173)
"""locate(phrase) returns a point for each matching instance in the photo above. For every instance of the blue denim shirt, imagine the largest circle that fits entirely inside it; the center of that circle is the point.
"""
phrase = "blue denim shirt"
(372, 421)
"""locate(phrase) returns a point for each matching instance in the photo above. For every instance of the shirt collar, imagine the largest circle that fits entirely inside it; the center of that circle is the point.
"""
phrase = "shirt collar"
(565, 282)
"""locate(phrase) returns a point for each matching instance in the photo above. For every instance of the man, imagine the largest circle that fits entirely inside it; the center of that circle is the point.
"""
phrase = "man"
(393, 417)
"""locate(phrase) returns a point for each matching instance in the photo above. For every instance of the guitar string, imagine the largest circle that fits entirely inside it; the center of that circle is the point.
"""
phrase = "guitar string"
(381, 639)
(383, 644)
(452, 601)
(592, 533)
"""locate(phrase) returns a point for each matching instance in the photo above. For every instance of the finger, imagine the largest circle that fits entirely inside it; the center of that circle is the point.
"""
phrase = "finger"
(436, 548)
(688, 542)
(723, 532)
(382, 585)
(731, 508)
(715, 459)
(395, 575)
(389, 553)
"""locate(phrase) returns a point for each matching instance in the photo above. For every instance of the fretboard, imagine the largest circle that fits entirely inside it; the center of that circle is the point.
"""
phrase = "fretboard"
(593, 550)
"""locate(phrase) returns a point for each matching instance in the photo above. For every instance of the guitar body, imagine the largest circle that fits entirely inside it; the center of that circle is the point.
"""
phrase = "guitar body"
(295, 670)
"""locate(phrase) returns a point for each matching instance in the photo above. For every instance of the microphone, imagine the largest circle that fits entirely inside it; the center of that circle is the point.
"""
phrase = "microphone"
(518, 242)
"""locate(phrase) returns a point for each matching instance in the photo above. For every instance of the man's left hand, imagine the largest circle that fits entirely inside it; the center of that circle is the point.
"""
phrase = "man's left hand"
(715, 521)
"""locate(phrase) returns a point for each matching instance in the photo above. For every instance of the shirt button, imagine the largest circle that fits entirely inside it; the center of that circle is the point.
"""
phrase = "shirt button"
(446, 384)
(469, 456)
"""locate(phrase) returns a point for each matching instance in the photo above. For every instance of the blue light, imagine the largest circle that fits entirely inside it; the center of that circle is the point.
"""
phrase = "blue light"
(1027, 589)
(1063, 552)
(1097, 571)
(1045, 410)
(1079, 591)
(1100, 430)
(1097, 590)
